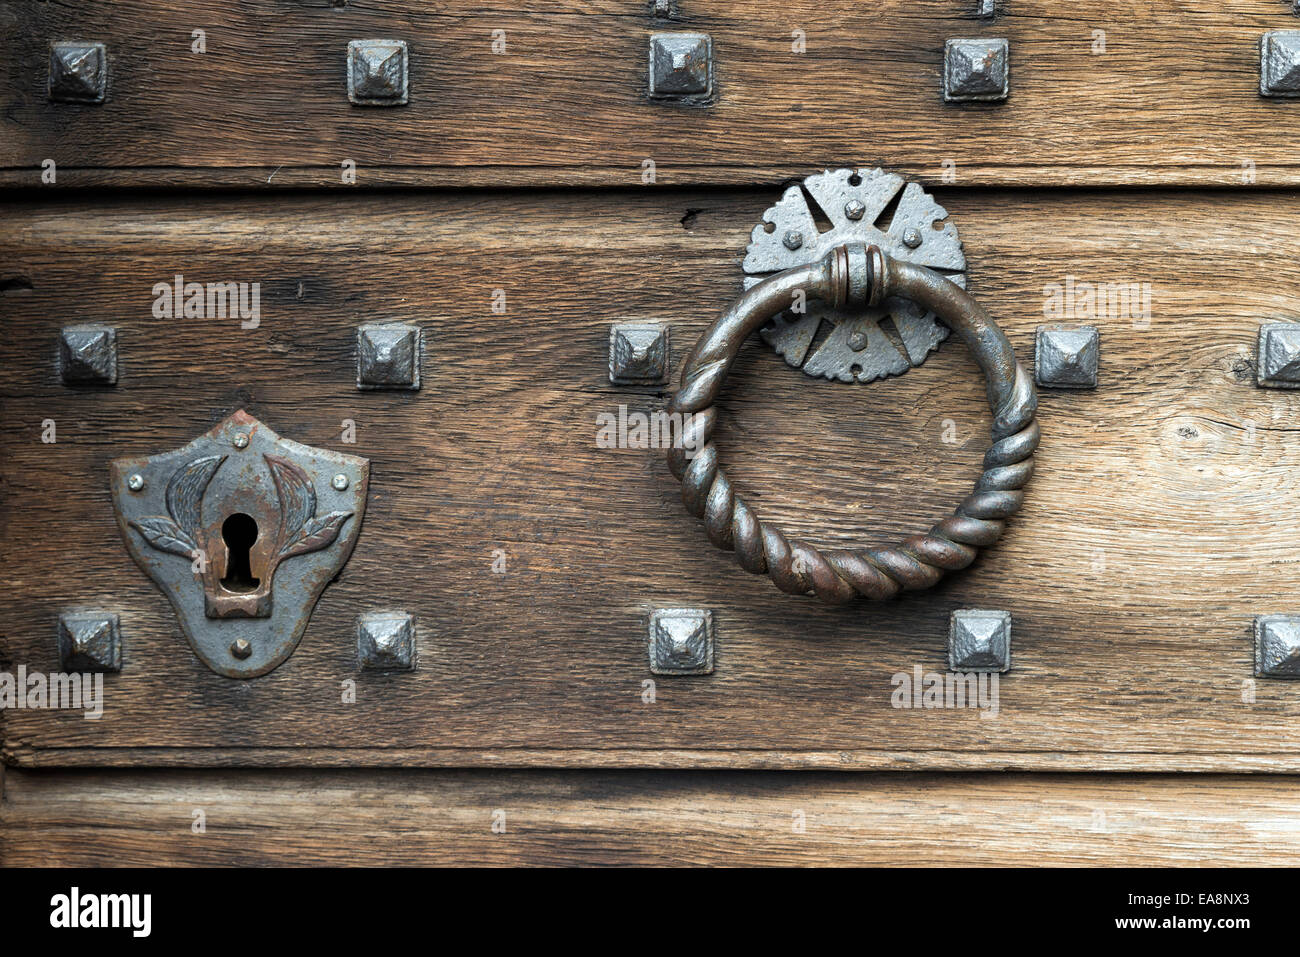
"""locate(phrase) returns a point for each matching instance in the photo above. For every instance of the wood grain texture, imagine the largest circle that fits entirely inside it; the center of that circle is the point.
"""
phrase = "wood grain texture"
(1152, 534)
(413, 818)
(1173, 98)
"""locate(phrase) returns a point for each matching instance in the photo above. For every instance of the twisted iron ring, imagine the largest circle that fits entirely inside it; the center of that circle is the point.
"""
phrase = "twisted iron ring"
(855, 274)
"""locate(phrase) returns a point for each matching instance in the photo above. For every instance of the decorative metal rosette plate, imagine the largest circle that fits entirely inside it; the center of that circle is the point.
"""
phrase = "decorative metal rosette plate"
(869, 206)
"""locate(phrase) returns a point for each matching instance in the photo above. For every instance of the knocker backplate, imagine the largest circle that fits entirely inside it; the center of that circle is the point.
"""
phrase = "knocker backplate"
(242, 530)
(877, 208)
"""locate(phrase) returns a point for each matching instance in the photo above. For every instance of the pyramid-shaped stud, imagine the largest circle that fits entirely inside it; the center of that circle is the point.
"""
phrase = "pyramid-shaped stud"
(1065, 357)
(388, 356)
(1277, 646)
(78, 72)
(681, 641)
(976, 70)
(377, 72)
(386, 641)
(638, 353)
(1279, 63)
(979, 640)
(88, 355)
(1279, 355)
(89, 641)
(681, 66)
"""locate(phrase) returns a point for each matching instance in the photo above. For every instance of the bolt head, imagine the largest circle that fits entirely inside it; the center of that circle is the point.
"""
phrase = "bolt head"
(388, 356)
(911, 237)
(638, 353)
(386, 641)
(979, 641)
(1278, 361)
(135, 482)
(340, 482)
(681, 641)
(1066, 357)
(854, 209)
(377, 72)
(88, 355)
(89, 641)
(793, 239)
(975, 70)
(1279, 63)
(241, 648)
(681, 66)
(78, 72)
(1277, 646)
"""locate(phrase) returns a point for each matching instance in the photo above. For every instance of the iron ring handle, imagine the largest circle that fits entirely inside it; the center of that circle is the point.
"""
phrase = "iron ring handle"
(855, 274)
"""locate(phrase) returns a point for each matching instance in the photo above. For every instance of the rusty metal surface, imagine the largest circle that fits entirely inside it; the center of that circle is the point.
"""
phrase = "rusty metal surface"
(857, 275)
(242, 530)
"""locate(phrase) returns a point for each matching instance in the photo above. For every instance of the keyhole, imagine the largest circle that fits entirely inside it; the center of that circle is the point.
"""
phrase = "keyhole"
(239, 532)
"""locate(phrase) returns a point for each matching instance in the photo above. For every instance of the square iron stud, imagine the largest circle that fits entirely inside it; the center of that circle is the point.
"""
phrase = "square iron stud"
(88, 354)
(976, 70)
(681, 66)
(78, 72)
(681, 641)
(386, 641)
(1278, 362)
(89, 641)
(1065, 357)
(638, 353)
(388, 356)
(979, 640)
(1279, 63)
(377, 72)
(1277, 646)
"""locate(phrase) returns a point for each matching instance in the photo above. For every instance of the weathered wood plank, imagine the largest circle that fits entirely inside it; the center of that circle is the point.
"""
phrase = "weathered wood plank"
(1149, 540)
(1172, 99)
(642, 818)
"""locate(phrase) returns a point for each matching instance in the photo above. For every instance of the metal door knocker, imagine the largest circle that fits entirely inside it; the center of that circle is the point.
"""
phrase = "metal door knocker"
(242, 530)
(907, 272)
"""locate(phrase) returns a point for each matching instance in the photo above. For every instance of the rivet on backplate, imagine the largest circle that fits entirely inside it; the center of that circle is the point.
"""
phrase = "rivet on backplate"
(241, 649)
(854, 209)
(340, 482)
(912, 237)
(240, 441)
(793, 239)
(858, 341)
